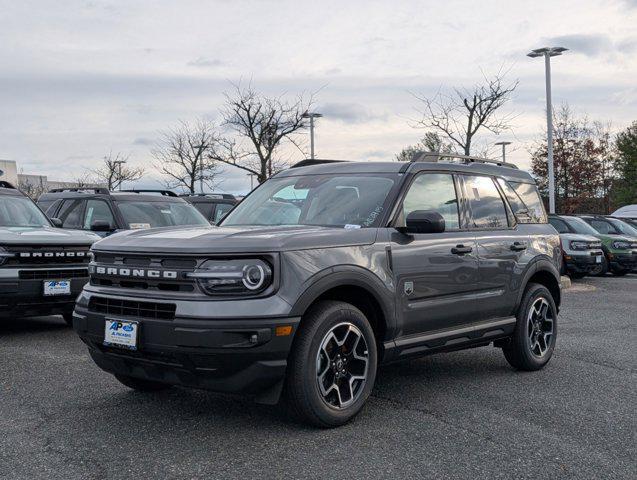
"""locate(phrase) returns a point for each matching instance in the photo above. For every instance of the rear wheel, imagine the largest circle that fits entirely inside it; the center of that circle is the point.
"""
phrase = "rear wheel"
(332, 367)
(142, 385)
(533, 341)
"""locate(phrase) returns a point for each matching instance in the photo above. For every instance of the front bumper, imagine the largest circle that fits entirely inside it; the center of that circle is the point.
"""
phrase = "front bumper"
(584, 262)
(623, 261)
(238, 355)
(26, 297)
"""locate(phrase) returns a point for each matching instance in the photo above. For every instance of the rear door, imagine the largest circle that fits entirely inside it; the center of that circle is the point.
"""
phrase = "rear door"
(500, 246)
(435, 273)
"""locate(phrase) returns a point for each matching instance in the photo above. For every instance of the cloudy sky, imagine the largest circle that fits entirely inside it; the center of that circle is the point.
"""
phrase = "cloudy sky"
(81, 78)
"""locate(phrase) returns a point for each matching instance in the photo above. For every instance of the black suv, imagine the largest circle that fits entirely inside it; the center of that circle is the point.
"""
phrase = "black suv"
(213, 206)
(323, 273)
(105, 212)
(42, 268)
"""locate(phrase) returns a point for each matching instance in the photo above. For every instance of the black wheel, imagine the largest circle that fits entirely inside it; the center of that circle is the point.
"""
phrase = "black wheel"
(601, 269)
(332, 366)
(619, 273)
(533, 341)
(68, 318)
(142, 385)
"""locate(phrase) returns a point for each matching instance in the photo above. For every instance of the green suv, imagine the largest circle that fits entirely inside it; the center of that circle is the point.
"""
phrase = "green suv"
(619, 247)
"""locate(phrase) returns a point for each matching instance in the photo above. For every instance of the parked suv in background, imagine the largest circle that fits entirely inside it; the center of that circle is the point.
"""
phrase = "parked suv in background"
(581, 253)
(42, 268)
(213, 206)
(620, 249)
(324, 272)
(105, 212)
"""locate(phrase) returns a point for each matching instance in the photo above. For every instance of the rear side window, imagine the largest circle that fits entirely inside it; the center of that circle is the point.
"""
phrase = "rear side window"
(525, 201)
(485, 203)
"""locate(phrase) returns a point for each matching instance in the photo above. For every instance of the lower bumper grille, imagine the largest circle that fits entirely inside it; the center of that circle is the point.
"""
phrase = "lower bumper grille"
(132, 308)
(52, 274)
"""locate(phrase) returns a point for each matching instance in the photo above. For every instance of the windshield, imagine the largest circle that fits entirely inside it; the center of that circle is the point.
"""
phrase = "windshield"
(21, 212)
(580, 226)
(160, 214)
(623, 227)
(344, 200)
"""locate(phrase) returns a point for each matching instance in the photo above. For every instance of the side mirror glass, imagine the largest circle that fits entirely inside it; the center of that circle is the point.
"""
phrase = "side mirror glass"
(425, 221)
(101, 226)
(56, 222)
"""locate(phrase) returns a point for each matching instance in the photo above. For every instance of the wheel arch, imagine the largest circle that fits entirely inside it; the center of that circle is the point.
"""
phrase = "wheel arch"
(545, 273)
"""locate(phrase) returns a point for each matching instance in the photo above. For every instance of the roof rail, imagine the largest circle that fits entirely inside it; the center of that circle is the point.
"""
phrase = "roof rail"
(100, 190)
(467, 159)
(225, 196)
(307, 162)
(165, 193)
(5, 184)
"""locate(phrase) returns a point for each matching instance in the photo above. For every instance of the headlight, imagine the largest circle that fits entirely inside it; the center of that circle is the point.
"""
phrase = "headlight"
(4, 255)
(579, 245)
(249, 276)
(620, 245)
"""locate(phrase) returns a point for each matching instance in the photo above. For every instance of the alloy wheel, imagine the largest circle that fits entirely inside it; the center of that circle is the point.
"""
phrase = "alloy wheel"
(540, 327)
(342, 365)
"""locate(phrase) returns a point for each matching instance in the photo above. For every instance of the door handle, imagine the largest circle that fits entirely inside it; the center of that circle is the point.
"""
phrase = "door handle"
(461, 250)
(518, 246)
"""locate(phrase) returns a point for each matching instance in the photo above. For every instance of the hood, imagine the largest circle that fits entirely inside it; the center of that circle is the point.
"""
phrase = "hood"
(212, 239)
(45, 236)
(578, 237)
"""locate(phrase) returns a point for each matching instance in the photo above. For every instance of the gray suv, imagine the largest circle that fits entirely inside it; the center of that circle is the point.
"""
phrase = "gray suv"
(323, 273)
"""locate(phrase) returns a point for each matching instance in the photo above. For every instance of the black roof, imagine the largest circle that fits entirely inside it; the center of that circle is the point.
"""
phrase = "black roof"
(8, 189)
(345, 167)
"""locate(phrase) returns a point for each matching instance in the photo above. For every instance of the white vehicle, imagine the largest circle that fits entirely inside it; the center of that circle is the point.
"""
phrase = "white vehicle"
(628, 211)
(582, 254)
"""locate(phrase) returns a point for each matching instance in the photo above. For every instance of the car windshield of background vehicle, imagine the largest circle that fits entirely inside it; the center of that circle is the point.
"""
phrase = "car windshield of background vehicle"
(349, 201)
(159, 214)
(604, 227)
(525, 201)
(21, 212)
(580, 226)
(624, 227)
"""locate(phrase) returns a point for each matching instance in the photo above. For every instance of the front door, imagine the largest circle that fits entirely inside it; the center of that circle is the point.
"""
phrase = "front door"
(435, 274)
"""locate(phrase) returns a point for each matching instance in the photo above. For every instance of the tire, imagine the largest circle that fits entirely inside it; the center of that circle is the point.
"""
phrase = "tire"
(68, 318)
(142, 385)
(335, 343)
(604, 268)
(619, 273)
(522, 352)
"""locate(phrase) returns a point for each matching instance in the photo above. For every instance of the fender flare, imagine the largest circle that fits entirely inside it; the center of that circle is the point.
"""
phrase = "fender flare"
(348, 275)
(538, 265)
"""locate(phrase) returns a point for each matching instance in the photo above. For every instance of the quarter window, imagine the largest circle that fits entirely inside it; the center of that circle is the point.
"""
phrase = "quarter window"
(436, 192)
(524, 200)
(485, 203)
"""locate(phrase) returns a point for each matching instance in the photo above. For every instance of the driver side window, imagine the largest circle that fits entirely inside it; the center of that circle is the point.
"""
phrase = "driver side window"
(436, 192)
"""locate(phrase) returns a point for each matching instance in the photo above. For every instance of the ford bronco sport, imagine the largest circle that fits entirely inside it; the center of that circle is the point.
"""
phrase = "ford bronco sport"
(42, 268)
(324, 272)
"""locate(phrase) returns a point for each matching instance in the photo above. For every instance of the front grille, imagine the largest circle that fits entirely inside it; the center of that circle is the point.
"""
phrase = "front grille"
(132, 308)
(52, 274)
(37, 255)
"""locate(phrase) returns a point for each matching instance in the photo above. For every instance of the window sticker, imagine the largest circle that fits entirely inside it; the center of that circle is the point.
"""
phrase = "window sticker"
(139, 226)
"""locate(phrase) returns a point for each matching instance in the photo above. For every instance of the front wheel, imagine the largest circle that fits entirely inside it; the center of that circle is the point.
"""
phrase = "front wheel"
(533, 341)
(332, 367)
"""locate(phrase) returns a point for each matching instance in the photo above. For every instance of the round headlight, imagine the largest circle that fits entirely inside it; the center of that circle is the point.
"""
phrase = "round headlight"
(253, 277)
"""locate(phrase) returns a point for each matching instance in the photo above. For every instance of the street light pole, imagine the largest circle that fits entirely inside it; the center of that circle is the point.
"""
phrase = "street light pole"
(312, 116)
(504, 152)
(549, 52)
(119, 165)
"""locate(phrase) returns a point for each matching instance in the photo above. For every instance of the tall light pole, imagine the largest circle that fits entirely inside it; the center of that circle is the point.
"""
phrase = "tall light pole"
(312, 116)
(119, 165)
(549, 52)
(504, 150)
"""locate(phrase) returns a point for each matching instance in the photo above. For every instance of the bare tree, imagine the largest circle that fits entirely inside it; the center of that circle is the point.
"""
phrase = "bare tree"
(461, 113)
(183, 155)
(32, 187)
(431, 142)
(115, 171)
(262, 124)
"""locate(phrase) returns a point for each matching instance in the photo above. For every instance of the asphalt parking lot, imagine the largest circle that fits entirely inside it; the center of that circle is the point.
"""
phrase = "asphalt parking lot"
(459, 415)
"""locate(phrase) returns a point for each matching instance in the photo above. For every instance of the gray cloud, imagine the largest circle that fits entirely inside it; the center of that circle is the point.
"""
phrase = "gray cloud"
(348, 112)
(143, 141)
(592, 45)
(204, 62)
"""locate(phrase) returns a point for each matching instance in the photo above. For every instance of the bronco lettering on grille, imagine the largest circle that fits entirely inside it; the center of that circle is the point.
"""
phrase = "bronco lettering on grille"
(134, 272)
(52, 254)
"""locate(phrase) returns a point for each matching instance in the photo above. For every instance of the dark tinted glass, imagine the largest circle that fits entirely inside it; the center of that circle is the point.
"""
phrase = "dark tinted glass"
(525, 201)
(603, 226)
(222, 209)
(486, 204)
(433, 191)
(205, 208)
(559, 225)
(97, 210)
(71, 213)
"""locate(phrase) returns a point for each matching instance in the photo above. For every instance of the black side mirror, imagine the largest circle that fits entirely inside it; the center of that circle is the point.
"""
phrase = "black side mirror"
(101, 226)
(425, 221)
(56, 222)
